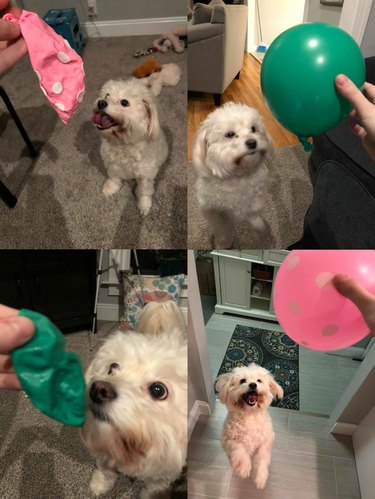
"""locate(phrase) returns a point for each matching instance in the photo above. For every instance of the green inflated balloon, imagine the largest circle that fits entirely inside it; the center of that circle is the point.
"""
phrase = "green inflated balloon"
(298, 74)
(51, 377)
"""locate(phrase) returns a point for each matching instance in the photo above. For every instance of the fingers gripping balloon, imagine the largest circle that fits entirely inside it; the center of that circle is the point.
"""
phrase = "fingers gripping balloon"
(309, 308)
(58, 67)
(298, 73)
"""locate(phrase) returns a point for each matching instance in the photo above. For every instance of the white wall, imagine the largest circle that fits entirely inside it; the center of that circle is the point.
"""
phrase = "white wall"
(368, 42)
(364, 450)
(323, 13)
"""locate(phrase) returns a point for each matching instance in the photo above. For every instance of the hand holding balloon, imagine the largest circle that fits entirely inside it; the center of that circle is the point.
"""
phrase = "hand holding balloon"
(12, 45)
(364, 110)
(311, 310)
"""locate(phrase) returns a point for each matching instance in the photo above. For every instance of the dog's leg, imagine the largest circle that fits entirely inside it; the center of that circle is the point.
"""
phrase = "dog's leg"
(111, 186)
(102, 479)
(145, 190)
(262, 459)
(222, 227)
(257, 223)
(156, 489)
(239, 459)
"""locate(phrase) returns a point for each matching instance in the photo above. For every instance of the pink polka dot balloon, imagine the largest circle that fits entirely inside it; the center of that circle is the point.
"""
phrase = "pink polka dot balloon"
(309, 308)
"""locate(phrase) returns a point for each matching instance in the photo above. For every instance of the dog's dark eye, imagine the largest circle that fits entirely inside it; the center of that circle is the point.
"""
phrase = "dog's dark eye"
(259, 380)
(158, 391)
(230, 135)
(243, 380)
(253, 129)
(125, 103)
(112, 367)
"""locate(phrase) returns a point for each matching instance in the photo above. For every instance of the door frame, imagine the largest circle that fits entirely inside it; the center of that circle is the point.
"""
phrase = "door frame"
(354, 18)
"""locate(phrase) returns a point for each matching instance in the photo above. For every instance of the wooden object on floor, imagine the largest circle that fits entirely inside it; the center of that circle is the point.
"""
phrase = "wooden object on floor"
(245, 90)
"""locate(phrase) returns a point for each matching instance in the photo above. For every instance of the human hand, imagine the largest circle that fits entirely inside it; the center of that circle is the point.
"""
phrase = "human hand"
(14, 331)
(364, 110)
(364, 301)
(12, 45)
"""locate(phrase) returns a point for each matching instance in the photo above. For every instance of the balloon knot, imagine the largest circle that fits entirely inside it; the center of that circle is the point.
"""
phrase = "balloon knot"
(306, 144)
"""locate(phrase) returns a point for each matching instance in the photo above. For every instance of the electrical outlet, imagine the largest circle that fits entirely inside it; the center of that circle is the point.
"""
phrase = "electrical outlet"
(91, 8)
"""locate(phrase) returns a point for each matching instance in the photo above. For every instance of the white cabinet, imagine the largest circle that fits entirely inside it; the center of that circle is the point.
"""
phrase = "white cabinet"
(244, 281)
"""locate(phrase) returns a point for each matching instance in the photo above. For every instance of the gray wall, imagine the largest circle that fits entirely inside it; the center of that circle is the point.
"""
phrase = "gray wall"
(323, 13)
(114, 9)
(368, 42)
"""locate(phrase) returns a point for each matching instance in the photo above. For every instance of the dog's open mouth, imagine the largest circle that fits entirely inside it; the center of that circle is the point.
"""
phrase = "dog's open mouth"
(103, 121)
(251, 398)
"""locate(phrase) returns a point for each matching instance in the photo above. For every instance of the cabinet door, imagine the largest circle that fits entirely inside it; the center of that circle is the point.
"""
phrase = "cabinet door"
(13, 285)
(275, 271)
(235, 282)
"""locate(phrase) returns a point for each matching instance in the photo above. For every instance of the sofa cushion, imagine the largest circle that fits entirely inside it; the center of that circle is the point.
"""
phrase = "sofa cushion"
(202, 13)
(204, 31)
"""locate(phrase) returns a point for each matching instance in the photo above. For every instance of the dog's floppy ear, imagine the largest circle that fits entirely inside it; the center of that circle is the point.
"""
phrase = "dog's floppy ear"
(200, 148)
(222, 385)
(153, 128)
(275, 389)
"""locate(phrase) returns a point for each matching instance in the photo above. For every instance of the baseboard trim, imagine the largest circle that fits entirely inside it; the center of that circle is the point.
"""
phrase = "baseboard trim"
(133, 27)
(199, 408)
(108, 312)
(344, 428)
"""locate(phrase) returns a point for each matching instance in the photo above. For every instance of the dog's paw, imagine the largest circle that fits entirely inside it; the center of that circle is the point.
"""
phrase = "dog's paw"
(257, 223)
(110, 187)
(144, 205)
(223, 242)
(101, 483)
(241, 466)
(260, 480)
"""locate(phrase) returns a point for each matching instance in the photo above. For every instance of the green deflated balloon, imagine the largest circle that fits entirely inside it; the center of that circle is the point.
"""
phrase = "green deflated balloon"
(298, 73)
(51, 377)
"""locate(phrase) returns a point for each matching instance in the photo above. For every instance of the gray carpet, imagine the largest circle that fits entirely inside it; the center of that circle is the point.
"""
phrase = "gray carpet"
(60, 203)
(42, 459)
(289, 194)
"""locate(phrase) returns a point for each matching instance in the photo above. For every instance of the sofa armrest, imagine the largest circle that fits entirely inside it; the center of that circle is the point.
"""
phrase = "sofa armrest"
(199, 32)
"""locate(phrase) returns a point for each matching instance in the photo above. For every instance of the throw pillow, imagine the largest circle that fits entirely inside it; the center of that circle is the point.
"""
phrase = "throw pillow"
(153, 288)
(218, 14)
(201, 13)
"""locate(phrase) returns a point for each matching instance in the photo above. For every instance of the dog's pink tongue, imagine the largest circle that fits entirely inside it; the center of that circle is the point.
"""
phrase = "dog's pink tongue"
(102, 120)
(253, 398)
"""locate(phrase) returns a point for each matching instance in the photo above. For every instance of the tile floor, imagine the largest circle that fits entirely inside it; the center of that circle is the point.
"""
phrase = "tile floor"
(307, 462)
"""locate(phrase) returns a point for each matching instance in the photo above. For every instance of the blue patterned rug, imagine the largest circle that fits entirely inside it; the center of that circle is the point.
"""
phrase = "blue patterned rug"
(273, 350)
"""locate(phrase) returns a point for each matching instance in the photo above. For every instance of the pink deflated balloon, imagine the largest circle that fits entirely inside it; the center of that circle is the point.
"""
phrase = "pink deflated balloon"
(309, 308)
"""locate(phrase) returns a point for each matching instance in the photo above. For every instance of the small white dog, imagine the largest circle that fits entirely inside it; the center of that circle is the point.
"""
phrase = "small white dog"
(136, 420)
(133, 144)
(247, 434)
(229, 152)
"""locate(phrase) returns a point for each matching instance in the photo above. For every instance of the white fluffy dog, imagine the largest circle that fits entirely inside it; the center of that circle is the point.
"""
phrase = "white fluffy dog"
(229, 152)
(133, 144)
(247, 434)
(137, 404)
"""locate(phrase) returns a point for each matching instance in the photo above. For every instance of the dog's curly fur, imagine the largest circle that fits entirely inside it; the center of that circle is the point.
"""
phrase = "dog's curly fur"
(130, 428)
(229, 153)
(133, 144)
(247, 434)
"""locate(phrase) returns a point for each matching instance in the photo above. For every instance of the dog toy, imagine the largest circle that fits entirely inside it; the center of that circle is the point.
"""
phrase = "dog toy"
(147, 68)
(142, 53)
(169, 75)
(51, 377)
(59, 68)
(171, 39)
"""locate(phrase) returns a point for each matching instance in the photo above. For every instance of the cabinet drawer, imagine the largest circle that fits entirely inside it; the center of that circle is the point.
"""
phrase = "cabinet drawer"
(276, 257)
(256, 255)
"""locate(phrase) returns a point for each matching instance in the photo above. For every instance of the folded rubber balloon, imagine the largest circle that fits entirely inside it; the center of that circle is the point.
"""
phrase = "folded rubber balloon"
(58, 67)
(51, 377)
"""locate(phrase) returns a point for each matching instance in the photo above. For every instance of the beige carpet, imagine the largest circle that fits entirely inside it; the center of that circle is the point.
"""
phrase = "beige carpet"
(288, 197)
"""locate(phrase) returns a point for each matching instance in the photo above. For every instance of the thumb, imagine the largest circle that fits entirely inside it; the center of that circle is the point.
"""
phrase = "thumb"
(9, 31)
(14, 332)
(347, 89)
(350, 288)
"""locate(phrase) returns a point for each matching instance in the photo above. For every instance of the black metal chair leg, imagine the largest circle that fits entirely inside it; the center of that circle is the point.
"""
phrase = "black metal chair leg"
(8, 198)
(18, 122)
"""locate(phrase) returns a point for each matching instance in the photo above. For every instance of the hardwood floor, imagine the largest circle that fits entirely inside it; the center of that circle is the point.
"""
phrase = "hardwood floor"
(247, 91)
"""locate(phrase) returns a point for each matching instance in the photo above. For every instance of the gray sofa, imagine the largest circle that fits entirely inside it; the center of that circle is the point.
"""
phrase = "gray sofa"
(216, 47)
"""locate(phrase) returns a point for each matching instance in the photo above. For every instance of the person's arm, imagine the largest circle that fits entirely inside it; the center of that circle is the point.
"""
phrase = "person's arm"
(12, 45)
(364, 301)
(14, 332)
(364, 110)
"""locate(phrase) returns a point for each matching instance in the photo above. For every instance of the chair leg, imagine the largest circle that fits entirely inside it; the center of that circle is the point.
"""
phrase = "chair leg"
(8, 198)
(237, 77)
(18, 122)
(217, 99)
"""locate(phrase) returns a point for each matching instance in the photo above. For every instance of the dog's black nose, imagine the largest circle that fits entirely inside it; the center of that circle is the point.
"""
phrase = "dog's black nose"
(250, 144)
(252, 386)
(101, 392)
(102, 104)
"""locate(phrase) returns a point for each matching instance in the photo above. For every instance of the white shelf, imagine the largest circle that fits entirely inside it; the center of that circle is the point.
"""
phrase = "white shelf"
(263, 280)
